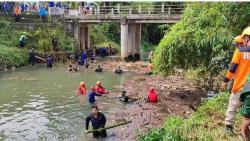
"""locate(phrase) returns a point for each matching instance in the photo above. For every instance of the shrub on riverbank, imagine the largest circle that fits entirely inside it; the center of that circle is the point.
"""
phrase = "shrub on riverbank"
(10, 56)
(202, 38)
(206, 124)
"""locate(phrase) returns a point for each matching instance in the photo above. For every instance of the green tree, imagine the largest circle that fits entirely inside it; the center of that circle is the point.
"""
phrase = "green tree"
(202, 38)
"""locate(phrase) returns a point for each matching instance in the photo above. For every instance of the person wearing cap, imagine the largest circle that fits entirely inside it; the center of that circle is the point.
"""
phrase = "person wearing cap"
(245, 110)
(238, 42)
(92, 94)
(239, 69)
(82, 89)
(100, 89)
(98, 121)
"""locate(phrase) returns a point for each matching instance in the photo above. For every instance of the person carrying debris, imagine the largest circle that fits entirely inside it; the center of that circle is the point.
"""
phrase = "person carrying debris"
(238, 70)
(98, 121)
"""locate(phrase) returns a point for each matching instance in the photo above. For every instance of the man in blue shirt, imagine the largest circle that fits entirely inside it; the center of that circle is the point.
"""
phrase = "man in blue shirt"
(98, 121)
(42, 14)
(92, 94)
(49, 62)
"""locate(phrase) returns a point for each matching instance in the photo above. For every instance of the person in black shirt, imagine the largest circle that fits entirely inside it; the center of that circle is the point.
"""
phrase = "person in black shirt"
(32, 59)
(98, 121)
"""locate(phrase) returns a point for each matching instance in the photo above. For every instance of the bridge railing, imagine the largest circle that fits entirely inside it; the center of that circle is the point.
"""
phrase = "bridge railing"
(129, 10)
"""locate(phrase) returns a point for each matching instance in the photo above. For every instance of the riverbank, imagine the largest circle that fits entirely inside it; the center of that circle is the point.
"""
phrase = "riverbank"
(177, 97)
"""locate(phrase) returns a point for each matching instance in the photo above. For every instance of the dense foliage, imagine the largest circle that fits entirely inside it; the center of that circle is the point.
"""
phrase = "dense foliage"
(10, 56)
(41, 39)
(202, 39)
(206, 124)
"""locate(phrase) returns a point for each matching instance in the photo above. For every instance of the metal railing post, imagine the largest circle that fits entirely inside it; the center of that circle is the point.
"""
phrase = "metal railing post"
(149, 11)
(139, 10)
(112, 11)
(95, 11)
(118, 9)
(98, 9)
(162, 8)
(169, 10)
(130, 11)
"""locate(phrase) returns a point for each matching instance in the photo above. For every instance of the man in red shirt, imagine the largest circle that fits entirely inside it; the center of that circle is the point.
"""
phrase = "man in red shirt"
(152, 95)
(100, 89)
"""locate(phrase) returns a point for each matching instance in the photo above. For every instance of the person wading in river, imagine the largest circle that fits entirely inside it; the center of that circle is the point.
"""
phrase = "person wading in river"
(100, 89)
(98, 121)
(238, 70)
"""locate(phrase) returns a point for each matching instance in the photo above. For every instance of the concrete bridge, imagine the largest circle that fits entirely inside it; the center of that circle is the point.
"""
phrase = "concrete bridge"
(130, 18)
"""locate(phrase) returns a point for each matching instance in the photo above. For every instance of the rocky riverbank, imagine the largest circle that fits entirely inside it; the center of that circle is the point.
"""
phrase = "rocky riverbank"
(176, 97)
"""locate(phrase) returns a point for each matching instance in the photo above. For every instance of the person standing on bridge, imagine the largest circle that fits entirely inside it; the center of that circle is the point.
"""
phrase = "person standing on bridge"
(42, 14)
(17, 13)
(239, 69)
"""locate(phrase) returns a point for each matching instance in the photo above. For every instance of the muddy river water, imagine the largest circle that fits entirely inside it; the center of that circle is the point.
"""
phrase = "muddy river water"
(41, 104)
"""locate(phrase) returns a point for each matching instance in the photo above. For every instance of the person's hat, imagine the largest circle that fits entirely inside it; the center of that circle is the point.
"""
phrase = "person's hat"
(246, 31)
(82, 83)
(238, 40)
(98, 82)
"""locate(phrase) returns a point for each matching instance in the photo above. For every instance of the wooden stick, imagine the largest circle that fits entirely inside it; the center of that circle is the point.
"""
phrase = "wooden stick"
(40, 58)
(109, 127)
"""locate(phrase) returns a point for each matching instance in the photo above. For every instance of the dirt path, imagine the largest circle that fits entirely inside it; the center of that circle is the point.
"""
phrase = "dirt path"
(176, 97)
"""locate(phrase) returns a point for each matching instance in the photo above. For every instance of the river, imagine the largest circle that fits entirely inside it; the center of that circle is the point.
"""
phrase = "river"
(41, 104)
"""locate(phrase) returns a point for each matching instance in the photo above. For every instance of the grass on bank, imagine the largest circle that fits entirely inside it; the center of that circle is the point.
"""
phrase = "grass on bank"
(206, 124)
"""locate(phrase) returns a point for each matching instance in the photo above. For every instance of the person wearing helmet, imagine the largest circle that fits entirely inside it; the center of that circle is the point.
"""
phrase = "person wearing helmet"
(82, 89)
(22, 40)
(100, 89)
(238, 42)
(239, 69)
(92, 94)
(152, 95)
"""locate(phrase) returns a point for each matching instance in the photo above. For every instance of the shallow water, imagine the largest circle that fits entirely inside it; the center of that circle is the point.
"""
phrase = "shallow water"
(41, 104)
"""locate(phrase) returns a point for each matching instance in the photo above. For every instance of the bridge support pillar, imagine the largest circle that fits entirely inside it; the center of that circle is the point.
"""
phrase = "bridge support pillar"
(130, 41)
(137, 42)
(84, 38)
(124, 40)
(76, 36)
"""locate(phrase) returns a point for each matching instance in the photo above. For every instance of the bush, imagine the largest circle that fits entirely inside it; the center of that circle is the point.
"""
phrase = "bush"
(202, 39)
(11, 56)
